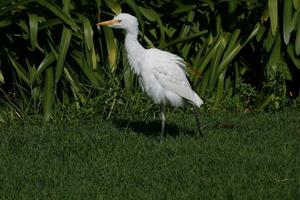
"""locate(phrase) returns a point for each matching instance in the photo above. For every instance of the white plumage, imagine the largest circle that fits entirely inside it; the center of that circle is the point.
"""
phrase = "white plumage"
(161, 74)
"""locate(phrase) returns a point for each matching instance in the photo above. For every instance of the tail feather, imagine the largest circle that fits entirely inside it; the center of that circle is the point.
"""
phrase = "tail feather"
(197, 100)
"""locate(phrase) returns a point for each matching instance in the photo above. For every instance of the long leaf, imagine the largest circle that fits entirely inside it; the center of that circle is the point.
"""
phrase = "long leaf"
(90, 74)
(22, 73)
(220, 88)
(296, 4)
(59, 13)
(75, 84)
(5, 22)
(63, 50)
(33, 30)
(273, 11)
(67, 6)
(47, 61)
(297, 42)
(114, 6)
(183, 9)
(87, 31)
(287, 20)
(111, 48)
(49, 94)
(180, 40)
(2, 80)
(291, 53)
(216, 61)
(13, 6)
(236, 50)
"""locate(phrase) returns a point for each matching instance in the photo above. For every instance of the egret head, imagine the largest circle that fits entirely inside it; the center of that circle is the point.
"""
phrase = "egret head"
(122, 21)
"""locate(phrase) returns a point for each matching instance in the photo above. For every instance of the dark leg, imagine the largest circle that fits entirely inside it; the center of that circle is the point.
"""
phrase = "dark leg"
(163, 119)
(197, 121)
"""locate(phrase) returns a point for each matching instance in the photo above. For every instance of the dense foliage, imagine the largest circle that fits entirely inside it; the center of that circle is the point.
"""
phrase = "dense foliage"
(52, 55)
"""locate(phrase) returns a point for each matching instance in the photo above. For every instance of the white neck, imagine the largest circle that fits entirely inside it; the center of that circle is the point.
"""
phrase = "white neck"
(135, 50)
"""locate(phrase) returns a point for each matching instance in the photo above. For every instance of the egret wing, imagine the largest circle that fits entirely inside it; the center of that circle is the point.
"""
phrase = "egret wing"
(173, 78)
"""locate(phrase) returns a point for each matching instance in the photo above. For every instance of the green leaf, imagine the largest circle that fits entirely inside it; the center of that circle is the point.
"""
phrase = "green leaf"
(180, 40)
(269, 41)
(59, 13)
(184, 8)
(75, 84)
(296, 4)
(67, 6)
(230, 55)
(13, 6)
(94, 58)
(209, 55)
(295, 18)
(149, 14)
(63, 50)
(2, 78)
(88, 31)
(111, 48)
(47, 61)
(260, 33)
(291, 53)
(5, 22)
(216, 61)
(22, 73)
(49, 94)
(232, 42)
(297, 42)
(87, 70)
(265, 103)
(287, 20)
(114, 6)
(276, 53)
(220, 88)
(187, 27)
(273, 11)
(33, 30)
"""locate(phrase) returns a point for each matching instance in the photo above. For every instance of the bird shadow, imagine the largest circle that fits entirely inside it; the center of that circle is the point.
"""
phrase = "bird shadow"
(152, 128)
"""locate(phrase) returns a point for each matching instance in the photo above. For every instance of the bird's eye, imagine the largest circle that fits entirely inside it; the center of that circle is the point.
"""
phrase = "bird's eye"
(119, 20)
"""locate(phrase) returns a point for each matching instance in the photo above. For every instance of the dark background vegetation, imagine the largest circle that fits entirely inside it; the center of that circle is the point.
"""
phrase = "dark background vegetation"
(241, 55)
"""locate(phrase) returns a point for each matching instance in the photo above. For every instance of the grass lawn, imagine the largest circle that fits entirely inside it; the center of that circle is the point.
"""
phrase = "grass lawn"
(252, 156)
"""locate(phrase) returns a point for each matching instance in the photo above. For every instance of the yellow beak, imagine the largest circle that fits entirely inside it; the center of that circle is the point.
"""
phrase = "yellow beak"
(107, 23)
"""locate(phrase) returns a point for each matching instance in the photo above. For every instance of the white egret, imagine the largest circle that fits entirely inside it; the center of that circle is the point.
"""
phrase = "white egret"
(161, 74)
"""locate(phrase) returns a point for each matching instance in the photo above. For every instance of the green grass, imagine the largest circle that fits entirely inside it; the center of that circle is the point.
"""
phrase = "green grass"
(256, 157)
